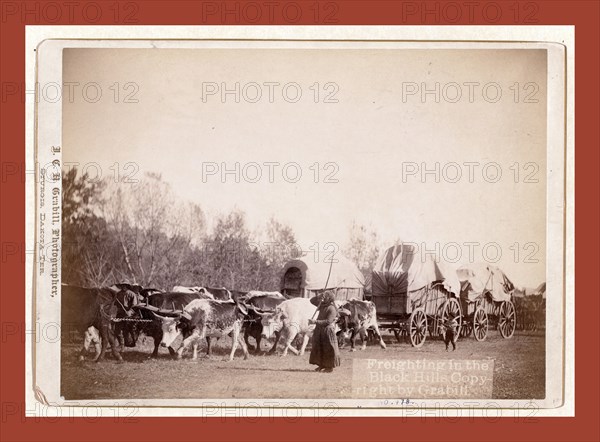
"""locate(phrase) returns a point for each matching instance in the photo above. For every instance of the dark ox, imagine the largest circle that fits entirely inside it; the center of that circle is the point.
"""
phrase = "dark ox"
(220, 294)
(140, 292)
(166, 303)
(82, 308)
(203, 318)
(356, 317)
(259, 303)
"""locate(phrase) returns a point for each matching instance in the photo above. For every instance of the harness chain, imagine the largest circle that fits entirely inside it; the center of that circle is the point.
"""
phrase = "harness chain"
(110, 318)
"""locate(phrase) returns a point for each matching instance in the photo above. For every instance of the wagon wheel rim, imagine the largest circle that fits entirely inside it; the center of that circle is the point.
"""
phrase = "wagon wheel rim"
(418, 327)
(480, 324)
(452, 306)
(507, 320)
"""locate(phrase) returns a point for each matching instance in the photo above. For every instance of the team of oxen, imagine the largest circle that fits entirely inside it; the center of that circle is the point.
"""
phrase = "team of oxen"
(117, 315)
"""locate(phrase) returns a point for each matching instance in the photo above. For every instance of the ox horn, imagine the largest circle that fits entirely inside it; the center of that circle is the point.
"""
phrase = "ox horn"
(166, 314)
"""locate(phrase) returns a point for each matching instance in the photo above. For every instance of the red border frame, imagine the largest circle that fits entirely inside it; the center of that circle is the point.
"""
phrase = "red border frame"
(14, 426)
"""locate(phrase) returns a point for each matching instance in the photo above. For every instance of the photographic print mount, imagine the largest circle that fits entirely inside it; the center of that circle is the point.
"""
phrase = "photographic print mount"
(373, 147)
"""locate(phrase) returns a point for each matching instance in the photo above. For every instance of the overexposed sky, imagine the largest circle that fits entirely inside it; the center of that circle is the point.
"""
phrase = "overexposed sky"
(380, 129)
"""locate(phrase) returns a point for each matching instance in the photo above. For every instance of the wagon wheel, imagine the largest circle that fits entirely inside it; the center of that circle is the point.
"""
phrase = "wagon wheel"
(480, 324)
(418, 327)
(452, 308)
(466, 329)
(507, 319)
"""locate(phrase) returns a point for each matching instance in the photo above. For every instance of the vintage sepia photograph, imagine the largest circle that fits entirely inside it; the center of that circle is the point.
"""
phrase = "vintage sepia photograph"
(350, 223)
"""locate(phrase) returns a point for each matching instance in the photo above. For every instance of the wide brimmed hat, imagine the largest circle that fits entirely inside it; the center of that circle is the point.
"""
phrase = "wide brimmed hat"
(328, 297)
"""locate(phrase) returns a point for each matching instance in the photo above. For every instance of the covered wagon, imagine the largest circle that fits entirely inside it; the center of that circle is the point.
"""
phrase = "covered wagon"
(486, 298)
(530, 305)
(307, 277)
(414, 293)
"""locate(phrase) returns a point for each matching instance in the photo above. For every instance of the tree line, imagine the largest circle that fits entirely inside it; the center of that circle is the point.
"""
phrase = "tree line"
(140, 233)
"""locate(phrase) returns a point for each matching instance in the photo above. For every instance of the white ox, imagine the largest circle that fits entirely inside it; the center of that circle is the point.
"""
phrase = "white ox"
(289, 320)
(91, 337)
(218, 293)
(203, 318)
(256, 293)
(182, 289)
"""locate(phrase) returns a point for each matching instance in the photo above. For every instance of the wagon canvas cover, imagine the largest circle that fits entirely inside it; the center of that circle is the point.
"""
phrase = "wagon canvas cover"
(317, 275)
(403, 269)
(541, 290)
(477, 279)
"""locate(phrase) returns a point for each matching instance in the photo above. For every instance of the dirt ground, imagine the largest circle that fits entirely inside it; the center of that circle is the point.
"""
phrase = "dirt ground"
(519, 371)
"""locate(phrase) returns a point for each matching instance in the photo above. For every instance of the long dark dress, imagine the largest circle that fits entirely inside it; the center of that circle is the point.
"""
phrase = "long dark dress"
(325, 352)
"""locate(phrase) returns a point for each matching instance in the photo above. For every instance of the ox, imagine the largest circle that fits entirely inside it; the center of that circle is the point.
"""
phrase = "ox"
(91, 337)
(166, 303)
(289, 320)
(218, 293)
(183, 289)
(356, 317)
(203, 318)
(259, 303)
(135, 294)
(82, 308)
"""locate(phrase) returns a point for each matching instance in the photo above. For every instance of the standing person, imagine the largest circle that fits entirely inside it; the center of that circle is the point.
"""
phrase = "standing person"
(325, 353)
(451, 328)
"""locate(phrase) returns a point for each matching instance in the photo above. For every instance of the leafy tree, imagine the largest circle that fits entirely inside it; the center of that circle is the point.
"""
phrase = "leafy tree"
(153, 233)
(229, 257)
(87, 254)
(138, 233)
(279, 247)
(363, 247)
